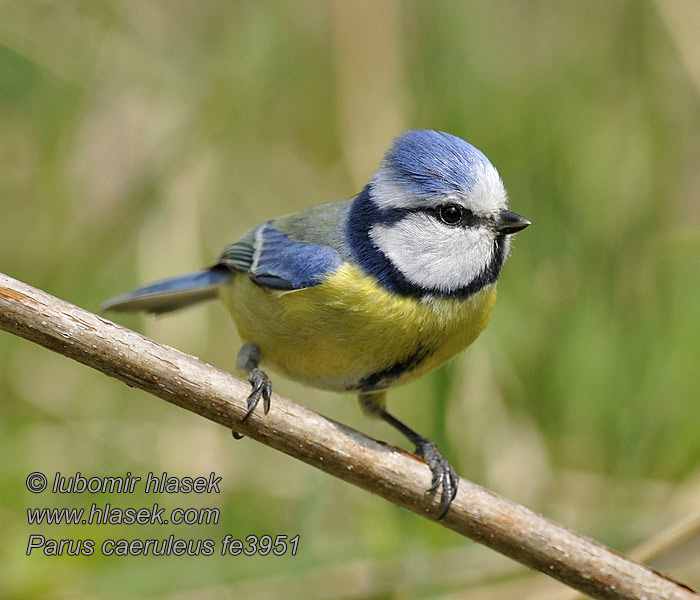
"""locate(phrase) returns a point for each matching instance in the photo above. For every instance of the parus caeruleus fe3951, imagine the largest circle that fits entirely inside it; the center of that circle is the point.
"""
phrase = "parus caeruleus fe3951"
(365, 294)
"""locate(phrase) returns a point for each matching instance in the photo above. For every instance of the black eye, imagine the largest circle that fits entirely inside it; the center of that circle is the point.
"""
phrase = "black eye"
(450, 214)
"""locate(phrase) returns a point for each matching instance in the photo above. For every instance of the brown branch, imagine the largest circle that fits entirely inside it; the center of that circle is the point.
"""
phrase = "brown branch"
(386, 471)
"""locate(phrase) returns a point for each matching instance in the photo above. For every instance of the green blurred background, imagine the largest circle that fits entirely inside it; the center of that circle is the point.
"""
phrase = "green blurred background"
(138, 138)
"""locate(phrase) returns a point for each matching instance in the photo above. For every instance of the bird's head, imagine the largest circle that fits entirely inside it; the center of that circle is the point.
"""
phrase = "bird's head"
(439, 215)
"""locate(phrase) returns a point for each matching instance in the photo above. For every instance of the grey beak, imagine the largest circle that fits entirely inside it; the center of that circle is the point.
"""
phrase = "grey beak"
(509, 222)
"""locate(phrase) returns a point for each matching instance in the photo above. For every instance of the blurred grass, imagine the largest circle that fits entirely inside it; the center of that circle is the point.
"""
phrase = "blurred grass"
(139, 138)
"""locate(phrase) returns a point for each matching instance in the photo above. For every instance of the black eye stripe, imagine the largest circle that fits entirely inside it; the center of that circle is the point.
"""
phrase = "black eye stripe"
(446, 214)
(468, 218)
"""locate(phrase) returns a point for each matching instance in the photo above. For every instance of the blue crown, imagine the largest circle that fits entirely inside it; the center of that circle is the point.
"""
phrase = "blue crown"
(431, 163)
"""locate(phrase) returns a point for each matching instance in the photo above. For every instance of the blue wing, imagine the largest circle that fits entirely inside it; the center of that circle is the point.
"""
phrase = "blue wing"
(277, 262)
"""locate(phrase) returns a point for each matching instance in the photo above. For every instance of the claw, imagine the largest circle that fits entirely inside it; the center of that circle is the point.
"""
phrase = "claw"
(262, 388)
(443, 473)
(438, 478)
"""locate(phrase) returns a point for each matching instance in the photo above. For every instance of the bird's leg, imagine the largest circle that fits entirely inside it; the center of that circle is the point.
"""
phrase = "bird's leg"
(248, 360)
(444, 475)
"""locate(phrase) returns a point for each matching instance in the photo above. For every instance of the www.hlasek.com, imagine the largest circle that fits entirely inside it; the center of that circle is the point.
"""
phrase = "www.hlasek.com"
(107, 514)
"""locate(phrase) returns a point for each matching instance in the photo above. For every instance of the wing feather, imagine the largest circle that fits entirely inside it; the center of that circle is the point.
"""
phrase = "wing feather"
(277, 262)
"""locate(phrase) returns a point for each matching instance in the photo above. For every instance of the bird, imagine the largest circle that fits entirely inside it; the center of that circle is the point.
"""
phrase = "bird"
(365, 294)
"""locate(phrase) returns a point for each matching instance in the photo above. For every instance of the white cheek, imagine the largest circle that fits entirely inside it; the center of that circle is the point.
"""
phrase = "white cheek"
(431, 255)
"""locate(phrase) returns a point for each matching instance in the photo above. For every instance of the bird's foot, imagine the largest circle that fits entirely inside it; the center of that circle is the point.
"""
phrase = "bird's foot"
(443, 473)
(248, 359)
(262, 388)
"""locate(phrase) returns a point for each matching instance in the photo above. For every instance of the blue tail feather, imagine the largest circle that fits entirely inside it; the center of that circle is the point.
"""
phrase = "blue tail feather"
(172, 294)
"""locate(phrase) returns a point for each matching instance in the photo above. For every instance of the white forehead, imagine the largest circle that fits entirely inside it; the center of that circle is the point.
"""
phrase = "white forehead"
(487, 196)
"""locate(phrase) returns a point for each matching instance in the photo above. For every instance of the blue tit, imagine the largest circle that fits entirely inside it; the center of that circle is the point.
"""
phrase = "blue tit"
(365, 294)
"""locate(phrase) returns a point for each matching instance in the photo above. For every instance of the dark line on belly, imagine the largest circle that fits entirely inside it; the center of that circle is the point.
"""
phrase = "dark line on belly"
(383, 378)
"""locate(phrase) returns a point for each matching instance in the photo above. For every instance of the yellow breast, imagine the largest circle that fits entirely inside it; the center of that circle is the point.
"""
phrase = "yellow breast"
(350, 334)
